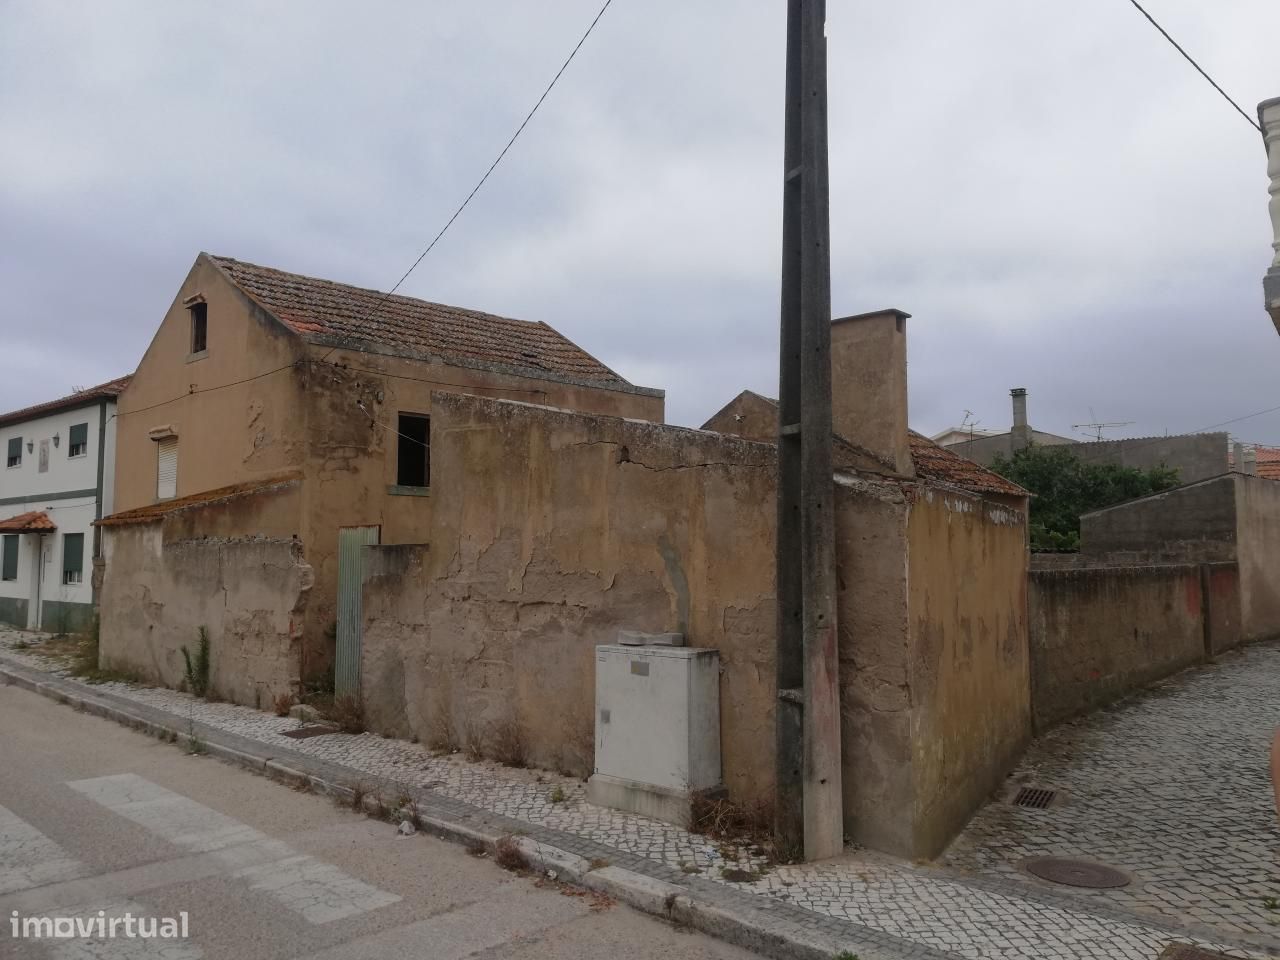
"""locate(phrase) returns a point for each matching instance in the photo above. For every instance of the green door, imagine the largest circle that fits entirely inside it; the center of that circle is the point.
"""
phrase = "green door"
(351, 544)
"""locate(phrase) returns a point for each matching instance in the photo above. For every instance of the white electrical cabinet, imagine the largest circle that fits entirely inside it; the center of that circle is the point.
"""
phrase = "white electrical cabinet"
(657, 728)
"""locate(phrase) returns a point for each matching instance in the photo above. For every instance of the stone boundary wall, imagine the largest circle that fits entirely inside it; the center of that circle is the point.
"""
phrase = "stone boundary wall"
(1100, 633)
(249, 593)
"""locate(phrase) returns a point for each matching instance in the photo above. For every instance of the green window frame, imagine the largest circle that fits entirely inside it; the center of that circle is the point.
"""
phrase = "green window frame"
(9, 563)
(15, 452)
(73, 558)
(78, 440)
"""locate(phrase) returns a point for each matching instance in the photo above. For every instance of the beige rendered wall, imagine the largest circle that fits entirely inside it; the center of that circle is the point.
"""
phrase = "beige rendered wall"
(225, 436)
(250, 593)
(1258, 554)
(969, 669)
(748, 415)
(352, 454)
(551, 531)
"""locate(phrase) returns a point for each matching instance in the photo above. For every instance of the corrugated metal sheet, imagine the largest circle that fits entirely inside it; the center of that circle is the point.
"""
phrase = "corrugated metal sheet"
(167, 469)
(351, 544)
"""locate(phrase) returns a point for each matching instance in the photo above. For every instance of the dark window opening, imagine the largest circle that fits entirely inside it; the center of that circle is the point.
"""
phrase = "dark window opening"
(199, 327)
(79, 440)
(73, 558)
(413, 461)
(15, 452)
(10, 561)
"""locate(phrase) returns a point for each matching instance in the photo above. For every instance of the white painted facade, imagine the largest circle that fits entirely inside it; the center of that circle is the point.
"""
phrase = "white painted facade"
(74, 487)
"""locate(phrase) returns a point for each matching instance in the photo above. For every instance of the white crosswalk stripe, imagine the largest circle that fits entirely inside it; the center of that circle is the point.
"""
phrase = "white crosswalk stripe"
(318, 891)
(30, 859)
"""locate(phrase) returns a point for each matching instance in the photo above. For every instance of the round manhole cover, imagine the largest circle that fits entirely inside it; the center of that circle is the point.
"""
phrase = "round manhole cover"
(1076, 873)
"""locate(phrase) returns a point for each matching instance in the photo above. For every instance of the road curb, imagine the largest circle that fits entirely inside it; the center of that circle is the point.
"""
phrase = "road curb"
(750, 928)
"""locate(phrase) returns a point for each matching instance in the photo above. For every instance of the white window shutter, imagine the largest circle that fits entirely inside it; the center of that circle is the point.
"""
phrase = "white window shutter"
(167, 469)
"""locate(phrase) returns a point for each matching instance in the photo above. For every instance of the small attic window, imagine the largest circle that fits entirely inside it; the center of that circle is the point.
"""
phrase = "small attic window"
(199, 326)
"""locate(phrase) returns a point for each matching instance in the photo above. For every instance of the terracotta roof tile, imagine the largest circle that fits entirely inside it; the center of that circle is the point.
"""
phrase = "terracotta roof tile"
(933, 462)
(36, 521)
(158, 511)
(103, 391)
(325, 312)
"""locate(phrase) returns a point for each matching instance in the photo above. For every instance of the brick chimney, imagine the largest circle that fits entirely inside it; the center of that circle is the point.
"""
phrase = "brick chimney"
(1269, 120)
(869, 385)
(1020, 435)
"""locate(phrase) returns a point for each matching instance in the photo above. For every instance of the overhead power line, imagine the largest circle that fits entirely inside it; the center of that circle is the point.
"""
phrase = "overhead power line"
(1177, 46)
(493, 166)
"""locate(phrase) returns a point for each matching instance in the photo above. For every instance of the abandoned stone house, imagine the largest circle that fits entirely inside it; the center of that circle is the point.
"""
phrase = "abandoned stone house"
(554, 530)
(275, 425)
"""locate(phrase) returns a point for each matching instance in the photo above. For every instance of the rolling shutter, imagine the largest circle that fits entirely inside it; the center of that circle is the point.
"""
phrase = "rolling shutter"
(167, 468)
(10, 551)
(79, 439)
(73, 558)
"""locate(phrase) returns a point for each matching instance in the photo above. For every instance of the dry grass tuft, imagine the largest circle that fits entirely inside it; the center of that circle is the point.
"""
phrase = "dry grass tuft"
(507, 743)
(508, 855)
(348, 713)
(284, 703)
(723, 820)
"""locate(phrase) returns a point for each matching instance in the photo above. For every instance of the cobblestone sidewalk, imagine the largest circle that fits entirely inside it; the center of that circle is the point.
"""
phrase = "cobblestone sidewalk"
(992, 912)
(1172, 786)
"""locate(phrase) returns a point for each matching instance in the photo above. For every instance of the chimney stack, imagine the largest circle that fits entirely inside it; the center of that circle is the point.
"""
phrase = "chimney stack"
(1020, 435)
(1269, 120)
(869, 385)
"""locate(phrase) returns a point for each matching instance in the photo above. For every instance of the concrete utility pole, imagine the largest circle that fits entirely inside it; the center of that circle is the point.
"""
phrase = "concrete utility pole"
(1269, 120)
(809, 800)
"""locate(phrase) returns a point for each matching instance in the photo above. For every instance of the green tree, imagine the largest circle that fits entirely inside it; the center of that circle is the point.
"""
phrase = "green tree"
(1066, 486)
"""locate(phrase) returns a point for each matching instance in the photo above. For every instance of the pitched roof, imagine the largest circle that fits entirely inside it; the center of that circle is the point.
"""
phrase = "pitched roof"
(329, 313)
(36, 521)
(934, 462)
(103, 391)
(158, 511)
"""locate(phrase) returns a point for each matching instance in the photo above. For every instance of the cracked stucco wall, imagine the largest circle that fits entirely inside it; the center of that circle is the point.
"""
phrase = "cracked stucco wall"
(551, 531)
(250, 593)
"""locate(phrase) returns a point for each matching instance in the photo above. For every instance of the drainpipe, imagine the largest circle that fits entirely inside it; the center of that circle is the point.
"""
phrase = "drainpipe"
(1269, 120)
(97, 496)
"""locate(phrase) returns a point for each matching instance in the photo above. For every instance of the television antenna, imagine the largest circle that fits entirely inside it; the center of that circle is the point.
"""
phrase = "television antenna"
(1096, 427)
(969, 423)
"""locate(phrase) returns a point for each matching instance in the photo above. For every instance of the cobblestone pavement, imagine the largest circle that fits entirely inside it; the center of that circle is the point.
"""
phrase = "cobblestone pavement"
(1171, 786)
(995, 916)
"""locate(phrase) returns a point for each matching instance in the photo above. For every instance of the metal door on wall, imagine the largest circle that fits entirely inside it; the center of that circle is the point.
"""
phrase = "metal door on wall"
(351, 544)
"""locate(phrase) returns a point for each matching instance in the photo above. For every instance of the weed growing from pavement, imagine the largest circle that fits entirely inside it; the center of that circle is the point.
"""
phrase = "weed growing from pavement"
(195, 746)
(358, 791)
(557, 794)
(196, 676)
(508, 855)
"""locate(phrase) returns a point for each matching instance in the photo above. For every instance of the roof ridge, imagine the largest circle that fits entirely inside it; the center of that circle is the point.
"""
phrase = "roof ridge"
(105, 390)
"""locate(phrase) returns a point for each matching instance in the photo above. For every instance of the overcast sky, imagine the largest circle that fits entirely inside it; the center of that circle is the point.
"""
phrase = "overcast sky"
(1057, 198)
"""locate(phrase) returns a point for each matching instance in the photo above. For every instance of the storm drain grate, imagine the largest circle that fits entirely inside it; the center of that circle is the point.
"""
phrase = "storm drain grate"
(302, 733)
(1038, 798)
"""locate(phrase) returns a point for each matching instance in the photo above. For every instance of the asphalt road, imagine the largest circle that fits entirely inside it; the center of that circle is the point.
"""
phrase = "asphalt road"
(98, 822)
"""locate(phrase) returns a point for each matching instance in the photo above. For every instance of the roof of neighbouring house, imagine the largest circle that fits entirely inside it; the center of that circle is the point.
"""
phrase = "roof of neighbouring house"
(36, 521)
(158, 511)
(103, 391)
(329, 314)
(931, 461)
(934, 462)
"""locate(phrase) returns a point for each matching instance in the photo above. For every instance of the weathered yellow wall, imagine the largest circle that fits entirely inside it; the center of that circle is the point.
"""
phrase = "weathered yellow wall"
(747, 415)
(225, 436)
(551, 532)
(160, 587)
(352, 455)
(969, 667)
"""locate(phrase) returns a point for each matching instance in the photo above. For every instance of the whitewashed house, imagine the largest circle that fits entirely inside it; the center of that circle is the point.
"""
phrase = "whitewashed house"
(56, 480)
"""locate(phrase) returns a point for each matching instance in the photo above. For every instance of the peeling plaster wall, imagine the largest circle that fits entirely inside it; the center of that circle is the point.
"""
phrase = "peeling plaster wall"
(352, 452)
(164, 579)
(969, 663)
(551, 531)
